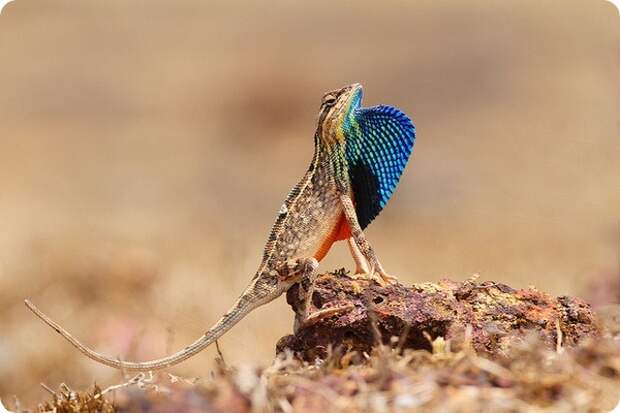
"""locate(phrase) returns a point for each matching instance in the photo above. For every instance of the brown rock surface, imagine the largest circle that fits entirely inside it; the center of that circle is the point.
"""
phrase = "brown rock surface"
(493, 316)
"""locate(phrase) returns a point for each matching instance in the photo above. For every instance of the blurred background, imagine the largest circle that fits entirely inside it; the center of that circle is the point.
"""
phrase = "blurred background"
(146, 146)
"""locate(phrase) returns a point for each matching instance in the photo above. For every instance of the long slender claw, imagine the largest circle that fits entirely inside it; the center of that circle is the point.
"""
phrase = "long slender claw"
(388, 279)
(327, 312)
(382, 279)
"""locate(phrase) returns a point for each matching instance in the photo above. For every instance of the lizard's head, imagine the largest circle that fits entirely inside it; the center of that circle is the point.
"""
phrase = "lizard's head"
(336, 107)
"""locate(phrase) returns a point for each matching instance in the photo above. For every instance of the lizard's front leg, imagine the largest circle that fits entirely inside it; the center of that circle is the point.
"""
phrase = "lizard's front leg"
(361, 265)
(362, 243)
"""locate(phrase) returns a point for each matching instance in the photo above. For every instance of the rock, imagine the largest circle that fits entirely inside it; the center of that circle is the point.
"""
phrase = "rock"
(489, 316)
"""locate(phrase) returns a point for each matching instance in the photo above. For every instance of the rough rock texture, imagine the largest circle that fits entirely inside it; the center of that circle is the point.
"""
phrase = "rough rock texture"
(342, 309)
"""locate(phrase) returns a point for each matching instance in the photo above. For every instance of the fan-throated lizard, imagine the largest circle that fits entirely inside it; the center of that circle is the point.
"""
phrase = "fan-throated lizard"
(359, 156)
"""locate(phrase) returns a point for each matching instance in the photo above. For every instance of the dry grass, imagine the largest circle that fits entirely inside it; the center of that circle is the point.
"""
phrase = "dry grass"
(529, 379)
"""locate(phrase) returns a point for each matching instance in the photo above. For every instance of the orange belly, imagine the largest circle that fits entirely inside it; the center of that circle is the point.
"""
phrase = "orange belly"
(341, 231)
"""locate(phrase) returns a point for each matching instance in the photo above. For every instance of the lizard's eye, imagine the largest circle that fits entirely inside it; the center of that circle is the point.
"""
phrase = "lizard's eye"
(329, 100)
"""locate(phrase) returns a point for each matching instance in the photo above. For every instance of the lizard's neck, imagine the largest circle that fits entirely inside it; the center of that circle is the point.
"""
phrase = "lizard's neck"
(331, 160)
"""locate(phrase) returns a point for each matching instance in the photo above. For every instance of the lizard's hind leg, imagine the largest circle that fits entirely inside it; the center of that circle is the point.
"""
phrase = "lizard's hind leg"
(308, 271)
(362, 243)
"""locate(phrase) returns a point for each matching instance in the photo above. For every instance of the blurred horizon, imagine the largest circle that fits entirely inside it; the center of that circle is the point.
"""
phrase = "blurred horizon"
(146, 147)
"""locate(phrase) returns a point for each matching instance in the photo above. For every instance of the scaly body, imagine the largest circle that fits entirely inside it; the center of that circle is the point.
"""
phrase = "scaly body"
(359, 156)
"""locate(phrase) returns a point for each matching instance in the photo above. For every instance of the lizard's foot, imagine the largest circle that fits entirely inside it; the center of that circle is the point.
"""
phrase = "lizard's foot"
(310, 319)
(385, 277)
(380, 278)
(388, 279)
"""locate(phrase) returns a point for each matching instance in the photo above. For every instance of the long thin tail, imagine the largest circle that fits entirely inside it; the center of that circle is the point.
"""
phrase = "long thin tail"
(254, 296)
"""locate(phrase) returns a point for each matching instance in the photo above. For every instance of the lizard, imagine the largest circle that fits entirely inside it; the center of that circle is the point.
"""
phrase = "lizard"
(359, 156)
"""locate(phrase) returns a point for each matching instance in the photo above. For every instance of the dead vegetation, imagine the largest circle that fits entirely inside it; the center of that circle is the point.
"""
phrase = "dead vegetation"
(561, 359)
(530, 378)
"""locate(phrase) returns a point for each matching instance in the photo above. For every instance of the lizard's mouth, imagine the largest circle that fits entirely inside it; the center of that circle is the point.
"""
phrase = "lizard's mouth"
(350, 90)
(354, 87)
(344, 93)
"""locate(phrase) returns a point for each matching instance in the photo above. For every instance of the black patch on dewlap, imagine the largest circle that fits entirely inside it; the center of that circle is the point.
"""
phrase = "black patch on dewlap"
(365, 186)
